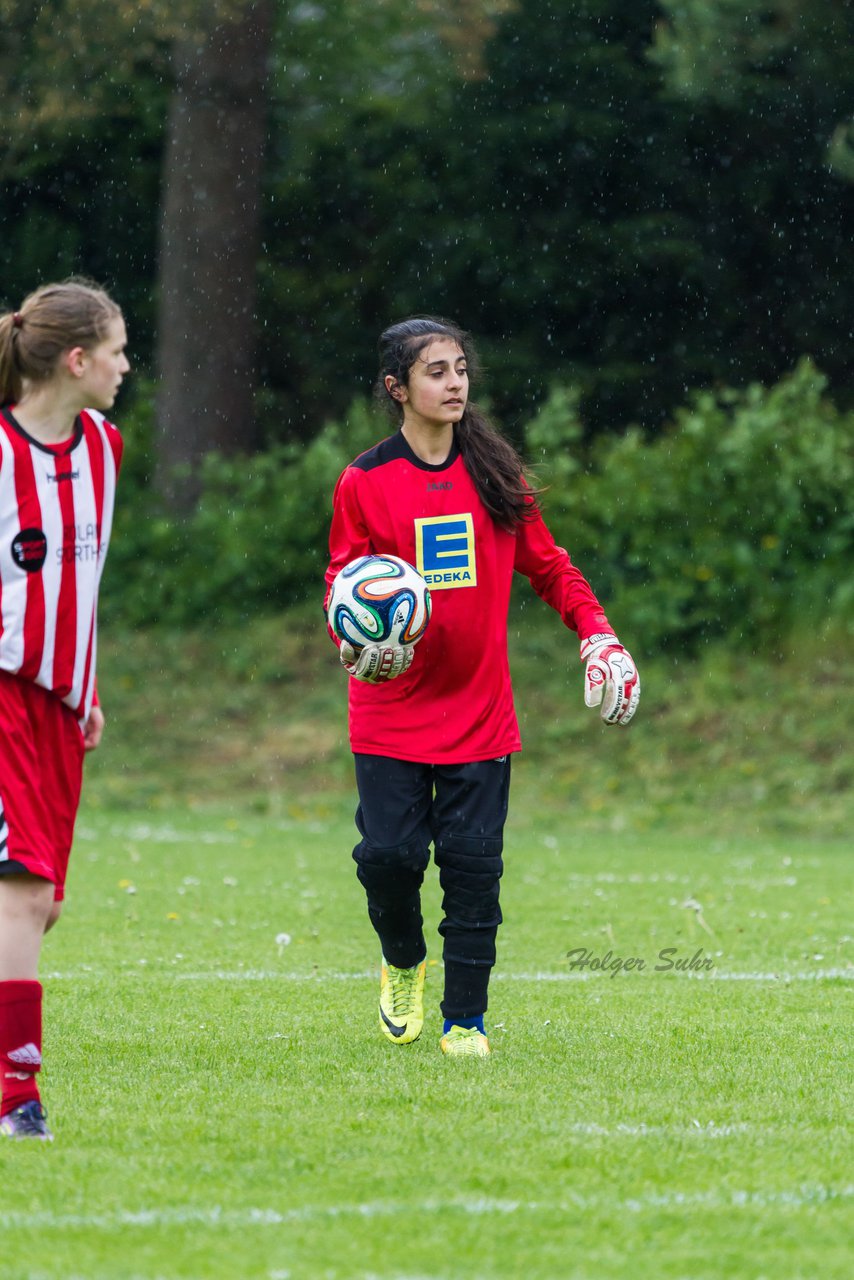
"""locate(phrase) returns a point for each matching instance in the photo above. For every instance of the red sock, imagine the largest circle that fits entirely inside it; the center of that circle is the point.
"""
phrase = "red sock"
(20, 1042)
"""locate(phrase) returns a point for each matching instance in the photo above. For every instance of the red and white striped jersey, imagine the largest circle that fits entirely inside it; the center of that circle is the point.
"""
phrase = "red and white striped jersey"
(56, 512)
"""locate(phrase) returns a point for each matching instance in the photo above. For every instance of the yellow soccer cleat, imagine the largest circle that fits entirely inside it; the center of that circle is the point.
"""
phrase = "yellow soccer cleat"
(402, 1002)
(465, 1042)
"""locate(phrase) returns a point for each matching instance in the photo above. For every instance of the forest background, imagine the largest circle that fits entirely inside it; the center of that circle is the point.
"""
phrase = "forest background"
(642, 212)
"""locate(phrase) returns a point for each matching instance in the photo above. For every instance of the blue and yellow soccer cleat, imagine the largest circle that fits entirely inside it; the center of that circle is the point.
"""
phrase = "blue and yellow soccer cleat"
(27, 1121)
(465, 1042)
(402, 1002)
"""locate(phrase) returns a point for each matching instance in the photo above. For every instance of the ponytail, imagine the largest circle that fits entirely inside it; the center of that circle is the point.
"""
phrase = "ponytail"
(10, 377)
(51, 320)
(495, 467)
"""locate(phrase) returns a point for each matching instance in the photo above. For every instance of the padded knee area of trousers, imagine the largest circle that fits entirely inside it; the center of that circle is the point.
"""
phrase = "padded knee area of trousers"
(389, 888)
(391, 876)
(411, 856)
(470, 870)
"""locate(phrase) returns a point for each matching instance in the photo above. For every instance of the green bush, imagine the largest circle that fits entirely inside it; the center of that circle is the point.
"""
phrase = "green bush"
(257, 540)
(736, 521)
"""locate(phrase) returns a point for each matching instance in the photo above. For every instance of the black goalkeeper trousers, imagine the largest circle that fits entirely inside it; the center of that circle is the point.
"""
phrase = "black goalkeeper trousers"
(460, 809)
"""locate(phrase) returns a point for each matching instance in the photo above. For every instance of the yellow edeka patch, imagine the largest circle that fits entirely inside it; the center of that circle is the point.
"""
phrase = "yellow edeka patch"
(444, 549)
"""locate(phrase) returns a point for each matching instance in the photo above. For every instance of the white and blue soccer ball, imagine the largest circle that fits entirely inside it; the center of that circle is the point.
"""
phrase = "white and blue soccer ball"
(379, 599)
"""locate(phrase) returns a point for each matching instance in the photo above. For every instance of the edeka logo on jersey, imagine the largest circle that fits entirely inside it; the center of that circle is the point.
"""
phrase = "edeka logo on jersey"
(444, 550)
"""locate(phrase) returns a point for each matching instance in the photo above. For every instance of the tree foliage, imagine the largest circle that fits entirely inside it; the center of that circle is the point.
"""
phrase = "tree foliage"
(736, 521)
(630, 199)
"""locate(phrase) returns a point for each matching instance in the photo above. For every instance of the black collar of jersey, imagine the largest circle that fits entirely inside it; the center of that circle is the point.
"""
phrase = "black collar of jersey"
(57, 451)
(397, 447)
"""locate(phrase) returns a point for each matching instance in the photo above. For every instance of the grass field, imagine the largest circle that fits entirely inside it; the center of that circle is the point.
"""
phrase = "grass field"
(226, 1108)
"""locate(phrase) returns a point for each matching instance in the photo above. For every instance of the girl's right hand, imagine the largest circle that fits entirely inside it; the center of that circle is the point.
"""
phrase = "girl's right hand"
(376, 663)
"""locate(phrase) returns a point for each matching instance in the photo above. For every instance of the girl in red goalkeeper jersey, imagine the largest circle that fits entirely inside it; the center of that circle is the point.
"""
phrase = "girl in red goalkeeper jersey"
(62, 351)
(433, 728)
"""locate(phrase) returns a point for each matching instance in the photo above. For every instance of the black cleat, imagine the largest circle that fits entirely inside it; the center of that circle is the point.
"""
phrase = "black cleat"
(27, 1121)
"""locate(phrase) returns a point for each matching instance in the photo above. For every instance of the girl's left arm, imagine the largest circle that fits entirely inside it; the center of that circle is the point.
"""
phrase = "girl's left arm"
(556, 579)
(93, 729)
(611, 679)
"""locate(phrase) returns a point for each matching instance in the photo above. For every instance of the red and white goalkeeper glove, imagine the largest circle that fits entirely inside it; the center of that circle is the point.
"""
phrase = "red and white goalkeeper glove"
(376, 663)
(610, 678)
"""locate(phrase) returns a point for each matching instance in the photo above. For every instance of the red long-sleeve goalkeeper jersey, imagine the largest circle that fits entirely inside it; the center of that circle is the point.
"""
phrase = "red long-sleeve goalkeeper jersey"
(455, 703)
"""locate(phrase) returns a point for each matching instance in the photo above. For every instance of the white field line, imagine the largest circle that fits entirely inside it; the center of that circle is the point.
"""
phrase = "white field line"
(694, 1130)
(803, 1197)
(328, 975)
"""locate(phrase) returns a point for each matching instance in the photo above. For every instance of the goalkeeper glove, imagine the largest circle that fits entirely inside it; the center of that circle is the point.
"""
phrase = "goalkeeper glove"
(376, 663)
(610, 678)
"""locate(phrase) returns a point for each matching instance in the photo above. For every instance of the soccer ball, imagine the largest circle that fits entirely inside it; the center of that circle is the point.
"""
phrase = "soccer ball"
(379, 600)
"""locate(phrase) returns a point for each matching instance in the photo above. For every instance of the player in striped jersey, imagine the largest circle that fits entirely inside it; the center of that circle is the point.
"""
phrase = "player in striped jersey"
(62, 360)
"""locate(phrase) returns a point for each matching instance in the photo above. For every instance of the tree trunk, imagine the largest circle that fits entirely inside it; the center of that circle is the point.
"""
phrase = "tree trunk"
(209, 243)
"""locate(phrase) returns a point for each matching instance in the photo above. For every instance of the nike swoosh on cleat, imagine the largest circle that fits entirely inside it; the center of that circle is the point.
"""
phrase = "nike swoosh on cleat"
(393, 1028)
